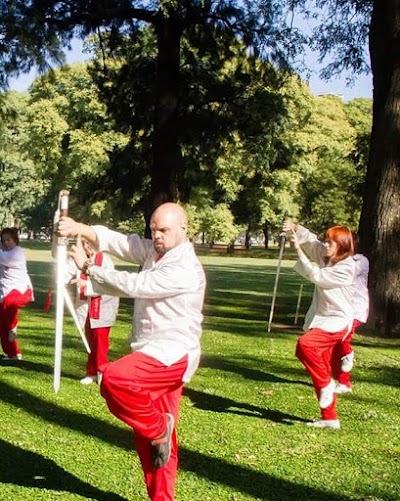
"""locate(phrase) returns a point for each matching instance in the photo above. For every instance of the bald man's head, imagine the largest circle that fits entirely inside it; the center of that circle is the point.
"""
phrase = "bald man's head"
(168, 226)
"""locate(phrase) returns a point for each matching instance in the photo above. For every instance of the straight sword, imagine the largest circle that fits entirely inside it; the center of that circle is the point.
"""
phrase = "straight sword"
(62, 210)
(278, 269)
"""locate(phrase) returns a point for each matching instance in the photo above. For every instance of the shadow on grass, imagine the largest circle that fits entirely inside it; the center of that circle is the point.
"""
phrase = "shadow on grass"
(26, 468)
(251, 482)
(216, 403)
(235, 326)
(220, 363)
(384, 343)
(67, 418)
(388, 376)
(29, 469)
(26, 365)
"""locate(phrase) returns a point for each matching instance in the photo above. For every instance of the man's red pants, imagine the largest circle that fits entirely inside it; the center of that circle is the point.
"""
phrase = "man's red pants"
(9, 310)
(314, 350)
(139, 390)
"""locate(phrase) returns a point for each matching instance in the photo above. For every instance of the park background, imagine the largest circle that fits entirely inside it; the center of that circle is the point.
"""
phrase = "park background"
(228, 125)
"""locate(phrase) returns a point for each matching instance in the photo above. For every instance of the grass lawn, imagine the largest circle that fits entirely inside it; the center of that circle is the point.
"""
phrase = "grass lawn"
(242, 429)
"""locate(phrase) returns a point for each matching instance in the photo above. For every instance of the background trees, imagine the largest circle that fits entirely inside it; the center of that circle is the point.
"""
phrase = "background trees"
(20, 185)
(73, 141)
(341, 28)
(229, 112)
(71, 137)
(51, 24)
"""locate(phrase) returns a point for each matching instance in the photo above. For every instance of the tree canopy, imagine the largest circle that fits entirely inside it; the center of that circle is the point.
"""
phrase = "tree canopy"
(20, 185)
(51, 25)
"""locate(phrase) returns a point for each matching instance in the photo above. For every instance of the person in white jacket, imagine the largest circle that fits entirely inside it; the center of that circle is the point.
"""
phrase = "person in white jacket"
(144, 388)
(343, 356)
(96, 313)
(330, 316)
(16, 291)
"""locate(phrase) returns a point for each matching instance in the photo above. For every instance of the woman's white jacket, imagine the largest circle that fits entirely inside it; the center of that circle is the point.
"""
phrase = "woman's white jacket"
(332, 307)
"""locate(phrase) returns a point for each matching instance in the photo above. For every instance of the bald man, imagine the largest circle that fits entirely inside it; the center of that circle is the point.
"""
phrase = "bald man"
(144, 388)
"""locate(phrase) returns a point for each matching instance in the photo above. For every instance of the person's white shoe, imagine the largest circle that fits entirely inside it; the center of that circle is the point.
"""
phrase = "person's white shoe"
(343, 388)
(88, 380)
(347, 362)
(327, 395)
(334, 424)
(15, 357)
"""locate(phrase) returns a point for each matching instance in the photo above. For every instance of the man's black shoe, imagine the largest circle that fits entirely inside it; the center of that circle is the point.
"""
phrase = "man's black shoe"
(162, 446)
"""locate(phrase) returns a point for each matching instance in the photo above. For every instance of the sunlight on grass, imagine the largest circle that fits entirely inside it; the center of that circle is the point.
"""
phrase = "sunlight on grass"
(242, 427)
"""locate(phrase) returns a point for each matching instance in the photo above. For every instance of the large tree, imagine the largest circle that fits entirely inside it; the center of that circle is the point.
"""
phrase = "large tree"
(229, 112)
(343, 29)
(380, 218)
(39, 28)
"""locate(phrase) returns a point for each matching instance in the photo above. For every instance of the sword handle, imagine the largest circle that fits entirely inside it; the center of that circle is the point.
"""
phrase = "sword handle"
(63, 202)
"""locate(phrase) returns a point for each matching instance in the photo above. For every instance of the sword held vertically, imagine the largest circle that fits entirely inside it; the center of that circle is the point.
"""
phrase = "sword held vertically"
(282, 242)
(62, 210)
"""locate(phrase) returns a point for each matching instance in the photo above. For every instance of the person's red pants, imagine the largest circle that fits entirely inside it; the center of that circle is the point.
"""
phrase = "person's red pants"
(314, 350)
(139, 390)
(9, 310)
(98, 340)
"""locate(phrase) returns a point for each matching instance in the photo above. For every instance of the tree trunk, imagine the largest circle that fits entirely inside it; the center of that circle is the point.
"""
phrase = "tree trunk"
(266, 234)
(166, 152)
(380, 217)
(247, 239)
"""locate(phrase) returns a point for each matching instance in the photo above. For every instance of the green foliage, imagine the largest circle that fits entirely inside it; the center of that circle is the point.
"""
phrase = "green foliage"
(135, 224)
(46, 130)
(359, 115)
(331, 197)
(253, 138)
(71, 138)
(228, 114)
(20, 186)
(194, 220)
(319, 146)
(218, 224)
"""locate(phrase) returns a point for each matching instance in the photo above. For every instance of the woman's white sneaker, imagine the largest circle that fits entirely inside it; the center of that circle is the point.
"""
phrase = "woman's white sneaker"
(347, 362)
(334, 424)
(343, 388)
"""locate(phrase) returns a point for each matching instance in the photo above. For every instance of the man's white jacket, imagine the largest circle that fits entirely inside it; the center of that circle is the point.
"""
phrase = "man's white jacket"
(169, 295)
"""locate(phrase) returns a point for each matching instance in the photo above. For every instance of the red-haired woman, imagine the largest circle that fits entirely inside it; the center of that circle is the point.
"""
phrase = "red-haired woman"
(15, 291)
(330, 316)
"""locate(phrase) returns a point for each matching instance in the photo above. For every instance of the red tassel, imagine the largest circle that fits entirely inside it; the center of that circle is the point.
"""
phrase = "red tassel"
(47, 303)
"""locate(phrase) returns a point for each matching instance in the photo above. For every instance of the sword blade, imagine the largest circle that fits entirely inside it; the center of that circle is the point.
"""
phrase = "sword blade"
(61, 263)
(71, 308)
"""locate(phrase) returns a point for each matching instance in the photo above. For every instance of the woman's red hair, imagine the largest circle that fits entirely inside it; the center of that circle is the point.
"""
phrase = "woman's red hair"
(344, 239)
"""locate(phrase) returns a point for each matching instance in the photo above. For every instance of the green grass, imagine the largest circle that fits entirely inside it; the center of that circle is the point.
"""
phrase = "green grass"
(242, 428)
